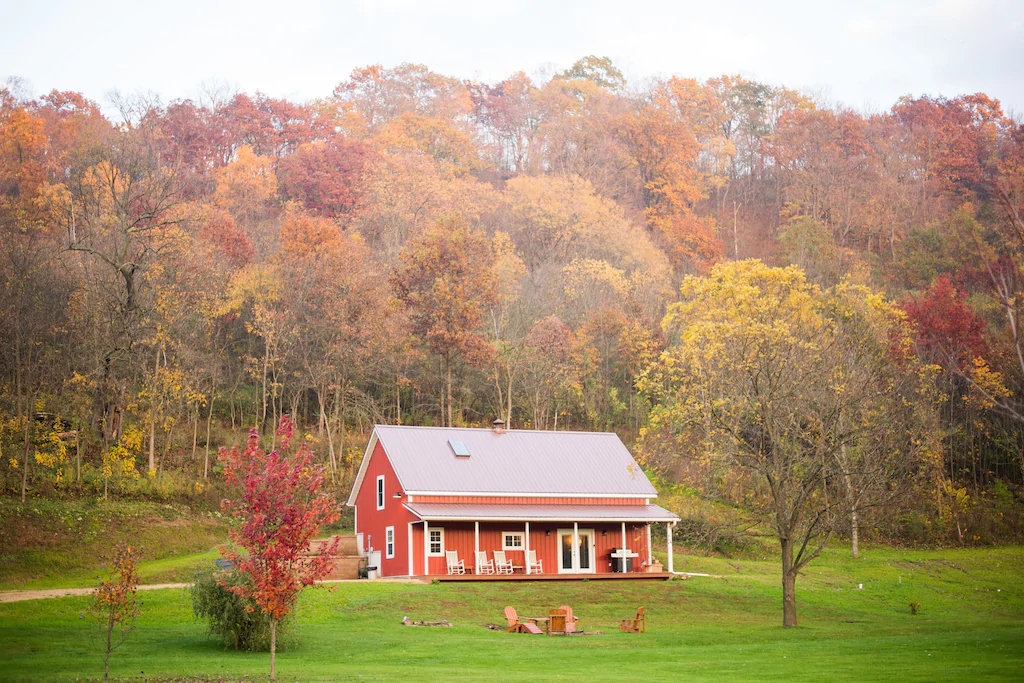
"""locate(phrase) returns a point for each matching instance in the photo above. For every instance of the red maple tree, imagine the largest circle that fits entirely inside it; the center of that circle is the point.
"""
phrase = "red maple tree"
(114, 604)
(281, 511)
(947, 330)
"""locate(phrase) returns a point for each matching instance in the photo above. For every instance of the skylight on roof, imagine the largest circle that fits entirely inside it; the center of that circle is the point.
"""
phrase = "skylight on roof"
(459, 448)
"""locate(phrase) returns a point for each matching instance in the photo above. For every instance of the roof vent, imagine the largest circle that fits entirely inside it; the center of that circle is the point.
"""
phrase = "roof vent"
(499, 426)
(459, 448)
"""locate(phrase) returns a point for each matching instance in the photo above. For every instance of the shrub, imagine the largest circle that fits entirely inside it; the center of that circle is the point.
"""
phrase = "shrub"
(725, 536)
(230, 617)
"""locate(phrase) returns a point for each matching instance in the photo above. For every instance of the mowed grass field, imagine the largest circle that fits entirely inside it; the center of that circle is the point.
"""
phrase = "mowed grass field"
(970, 626)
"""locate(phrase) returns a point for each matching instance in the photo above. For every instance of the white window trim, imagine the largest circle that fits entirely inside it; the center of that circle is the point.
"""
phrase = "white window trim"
(389, 545)
(522, 541)
(440, 530)
(380, 492)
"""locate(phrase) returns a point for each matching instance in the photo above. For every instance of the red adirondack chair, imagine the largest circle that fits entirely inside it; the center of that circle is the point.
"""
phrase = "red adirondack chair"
(517, 626)
(637, 624)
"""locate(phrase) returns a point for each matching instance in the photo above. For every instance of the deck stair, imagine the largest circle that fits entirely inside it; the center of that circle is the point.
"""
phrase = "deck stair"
(347, 558)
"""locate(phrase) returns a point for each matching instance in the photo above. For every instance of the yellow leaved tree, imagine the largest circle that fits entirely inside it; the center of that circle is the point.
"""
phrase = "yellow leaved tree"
(808, 401)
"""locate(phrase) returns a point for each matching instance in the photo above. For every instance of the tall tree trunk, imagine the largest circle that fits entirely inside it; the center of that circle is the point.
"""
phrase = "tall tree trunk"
(854, 538)
(17, 365)
(273, 649)
(788, 583)
(449, 393)
(263, 418)
(152, 418)
(322, 417)
(854, 522)
(206, 459)
(152, 441)
(508, 405)
(325, 420)
(195, 433)
(28, 453)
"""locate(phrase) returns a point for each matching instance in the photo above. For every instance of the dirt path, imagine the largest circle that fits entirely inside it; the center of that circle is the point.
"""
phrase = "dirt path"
(18, 596)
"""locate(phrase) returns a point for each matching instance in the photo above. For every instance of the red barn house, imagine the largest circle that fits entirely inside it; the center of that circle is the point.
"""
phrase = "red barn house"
(574, 503)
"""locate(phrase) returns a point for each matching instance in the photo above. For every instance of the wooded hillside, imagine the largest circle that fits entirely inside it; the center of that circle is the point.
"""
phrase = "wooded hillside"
(416, 249)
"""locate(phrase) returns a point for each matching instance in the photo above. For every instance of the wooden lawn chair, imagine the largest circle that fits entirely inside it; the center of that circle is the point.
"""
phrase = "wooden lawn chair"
(557, 620)
(517, 626)
(455, 565)
(502, 565)
(483, 565)
(637, 624)
(536, 566)
(570, 620)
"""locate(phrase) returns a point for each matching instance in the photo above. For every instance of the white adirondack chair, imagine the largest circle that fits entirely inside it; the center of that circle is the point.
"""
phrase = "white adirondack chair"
(502, 565)
(455, 565)
(536, 566)
(483, 565)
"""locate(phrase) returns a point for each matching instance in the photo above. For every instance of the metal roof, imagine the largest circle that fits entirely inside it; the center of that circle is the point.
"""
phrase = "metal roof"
(513, 462)
(484, 512)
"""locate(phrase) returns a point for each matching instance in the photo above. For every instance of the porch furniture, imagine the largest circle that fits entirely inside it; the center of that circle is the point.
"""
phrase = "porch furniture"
(536, 566)
(556, 622)
(570, 620)
(502, 565)
(622, 559)
(483, 565)
(637, 624)
(455, 565)
(515, 625)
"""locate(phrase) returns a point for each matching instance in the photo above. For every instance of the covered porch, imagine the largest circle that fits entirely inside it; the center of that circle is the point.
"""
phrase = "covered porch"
(629, 576)
(568, 541)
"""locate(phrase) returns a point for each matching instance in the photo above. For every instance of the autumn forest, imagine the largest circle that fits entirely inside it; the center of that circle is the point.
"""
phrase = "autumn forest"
(573, 252)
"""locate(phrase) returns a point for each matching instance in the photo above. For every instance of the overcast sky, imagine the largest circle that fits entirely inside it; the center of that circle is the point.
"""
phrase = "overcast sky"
(864, 54)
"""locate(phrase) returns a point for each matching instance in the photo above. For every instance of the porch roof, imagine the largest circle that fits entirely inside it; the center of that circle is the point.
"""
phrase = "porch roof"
(490, 512)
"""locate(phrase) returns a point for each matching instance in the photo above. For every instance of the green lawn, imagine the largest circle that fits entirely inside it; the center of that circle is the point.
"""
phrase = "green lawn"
(970, 626)
(67, 543)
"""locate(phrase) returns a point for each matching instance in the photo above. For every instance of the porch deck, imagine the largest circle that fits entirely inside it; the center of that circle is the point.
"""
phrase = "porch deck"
(612, 576)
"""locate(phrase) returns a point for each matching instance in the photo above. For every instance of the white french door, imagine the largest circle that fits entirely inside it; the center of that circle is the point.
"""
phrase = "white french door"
(578, 560)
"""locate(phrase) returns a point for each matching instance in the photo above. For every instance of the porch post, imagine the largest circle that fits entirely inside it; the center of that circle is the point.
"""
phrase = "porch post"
(410, 549)
(623, 547)
(526, 548)
(426, 548)
(650, 556)
(668, 533)
(476, 547)
(576, 547)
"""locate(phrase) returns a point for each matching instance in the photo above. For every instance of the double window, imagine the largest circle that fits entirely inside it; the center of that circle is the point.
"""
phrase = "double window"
(380, 492)
(389, 542)
(512, 540)
(436, 542)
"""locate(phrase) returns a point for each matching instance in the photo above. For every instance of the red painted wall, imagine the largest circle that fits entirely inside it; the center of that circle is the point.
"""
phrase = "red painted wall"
(459, 536)
(372, 522)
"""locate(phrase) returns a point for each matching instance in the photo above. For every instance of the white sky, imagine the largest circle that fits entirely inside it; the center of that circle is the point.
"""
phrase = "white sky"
(864, 54)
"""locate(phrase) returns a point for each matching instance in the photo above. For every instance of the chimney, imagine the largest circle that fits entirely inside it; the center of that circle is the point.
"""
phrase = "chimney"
(498, 426)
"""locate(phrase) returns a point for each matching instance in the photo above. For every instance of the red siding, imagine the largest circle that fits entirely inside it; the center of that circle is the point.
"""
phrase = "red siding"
(372, 522)
(459, 536)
